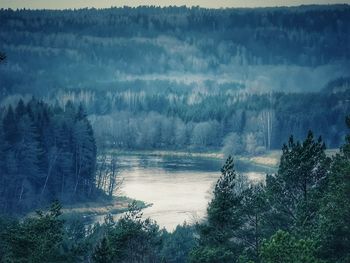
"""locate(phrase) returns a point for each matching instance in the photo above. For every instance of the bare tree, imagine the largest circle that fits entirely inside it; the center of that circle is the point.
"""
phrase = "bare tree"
(112, 176)
(107, 174)
(101, 168)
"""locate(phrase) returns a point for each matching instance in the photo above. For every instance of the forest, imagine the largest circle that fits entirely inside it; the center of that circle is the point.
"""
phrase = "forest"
(199, 79)
(300, 215)
(78, 87)
(46, 154)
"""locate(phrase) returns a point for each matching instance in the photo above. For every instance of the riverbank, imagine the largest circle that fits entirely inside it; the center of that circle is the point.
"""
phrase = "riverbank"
(269, 159)
(115, 205)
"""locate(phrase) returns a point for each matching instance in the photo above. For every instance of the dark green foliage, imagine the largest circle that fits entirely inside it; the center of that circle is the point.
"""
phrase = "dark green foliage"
(46, 154)
(334, 231)
(222, 210)
(130, 239)
(282, 247)
(78, 239)
(102, 253)
(5, 224)
(254, 213)
(294, 191)
(223, 220)
(46, 237)
(178, 244)
(299, 216)
(211, 254)
(37, 239)
(236, 222)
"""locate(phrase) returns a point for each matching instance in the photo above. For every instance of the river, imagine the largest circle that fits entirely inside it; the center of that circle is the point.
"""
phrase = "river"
(179, 188)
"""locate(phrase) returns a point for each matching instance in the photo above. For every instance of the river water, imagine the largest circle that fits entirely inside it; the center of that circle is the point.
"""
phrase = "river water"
(179, 188)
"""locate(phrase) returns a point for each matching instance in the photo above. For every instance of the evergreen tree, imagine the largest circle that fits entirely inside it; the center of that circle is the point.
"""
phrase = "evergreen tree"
(37, 239)
(254, 210)
(218, 236)
(282, 247)
(294, 191)
(178, 244)
(334, 231)
(45, 154)
(9, 124)
(102, 253)
(131, 239)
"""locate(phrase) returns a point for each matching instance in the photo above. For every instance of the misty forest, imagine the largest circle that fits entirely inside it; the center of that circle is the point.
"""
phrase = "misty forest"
(175, 134)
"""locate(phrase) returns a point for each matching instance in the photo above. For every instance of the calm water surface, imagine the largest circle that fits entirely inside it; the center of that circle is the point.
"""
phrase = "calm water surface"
(179, 188)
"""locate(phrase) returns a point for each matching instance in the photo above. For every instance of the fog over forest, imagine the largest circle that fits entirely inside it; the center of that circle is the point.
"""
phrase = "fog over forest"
(114, 123)
(267, 49)
(199, 78)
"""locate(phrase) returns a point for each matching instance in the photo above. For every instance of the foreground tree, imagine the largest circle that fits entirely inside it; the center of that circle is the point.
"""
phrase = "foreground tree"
(282, 247)
(294, 191)
(178, 244)
(253, 211)
(131, 239)
(334, 231)
(37, 239)
(218, 240)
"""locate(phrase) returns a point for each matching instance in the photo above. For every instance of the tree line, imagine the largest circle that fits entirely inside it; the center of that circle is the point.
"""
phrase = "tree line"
(167, 117)
(299, 215)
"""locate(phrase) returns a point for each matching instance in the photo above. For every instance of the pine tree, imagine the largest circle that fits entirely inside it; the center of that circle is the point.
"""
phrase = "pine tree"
(20, 109)
(102, 253)
(218, 239)
(283, 247)
(334, 231)
(294, 191)
(36, 239)
(223, 209)
(254, 209)
(10, 126)
(45, 154)
(132, 239)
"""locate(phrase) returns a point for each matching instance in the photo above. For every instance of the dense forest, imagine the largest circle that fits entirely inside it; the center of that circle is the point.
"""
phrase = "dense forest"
(46, 153)
(199, 79)
(300, 215)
